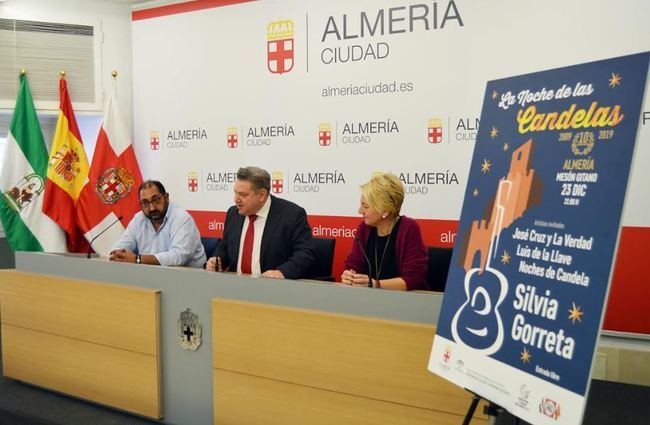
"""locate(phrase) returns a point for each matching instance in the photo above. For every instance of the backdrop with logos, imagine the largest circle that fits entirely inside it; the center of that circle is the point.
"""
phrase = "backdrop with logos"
(323, 94)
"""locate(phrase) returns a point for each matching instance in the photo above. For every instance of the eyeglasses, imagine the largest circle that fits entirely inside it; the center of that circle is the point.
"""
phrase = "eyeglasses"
(156, 200)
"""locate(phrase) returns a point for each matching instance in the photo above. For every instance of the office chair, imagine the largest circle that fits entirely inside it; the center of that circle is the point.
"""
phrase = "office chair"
(439, 261)
(324, 253)
(210, 245)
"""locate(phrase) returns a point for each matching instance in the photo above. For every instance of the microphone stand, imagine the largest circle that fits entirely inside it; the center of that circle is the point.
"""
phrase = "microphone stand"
(363, 251)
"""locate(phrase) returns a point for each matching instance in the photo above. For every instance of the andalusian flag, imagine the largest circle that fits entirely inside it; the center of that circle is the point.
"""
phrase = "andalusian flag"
(67, 173)
(22, 181)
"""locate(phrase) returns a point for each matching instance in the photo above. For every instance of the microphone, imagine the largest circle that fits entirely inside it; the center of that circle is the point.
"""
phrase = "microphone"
(99, 234)
(363, 251)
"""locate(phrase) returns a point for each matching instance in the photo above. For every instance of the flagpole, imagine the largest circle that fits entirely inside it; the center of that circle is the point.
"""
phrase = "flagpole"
(114, 74)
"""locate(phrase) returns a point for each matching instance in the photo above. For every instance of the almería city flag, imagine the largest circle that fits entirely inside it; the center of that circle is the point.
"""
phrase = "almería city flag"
(67, 173)
(114, 178)
(22, 182)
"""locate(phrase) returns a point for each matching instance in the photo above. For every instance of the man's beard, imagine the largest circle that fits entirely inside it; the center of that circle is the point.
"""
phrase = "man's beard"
(157, 216)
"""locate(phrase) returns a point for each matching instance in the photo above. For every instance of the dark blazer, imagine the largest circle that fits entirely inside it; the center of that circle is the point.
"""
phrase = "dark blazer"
(286, 242)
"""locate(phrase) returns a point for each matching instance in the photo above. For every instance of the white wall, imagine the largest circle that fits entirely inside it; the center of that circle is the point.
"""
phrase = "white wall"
(114, 19)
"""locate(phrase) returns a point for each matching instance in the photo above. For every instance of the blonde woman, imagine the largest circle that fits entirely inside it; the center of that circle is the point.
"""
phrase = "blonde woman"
(388, 252)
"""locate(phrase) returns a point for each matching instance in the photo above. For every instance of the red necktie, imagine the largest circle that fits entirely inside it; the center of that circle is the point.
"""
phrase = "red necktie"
(247, 252)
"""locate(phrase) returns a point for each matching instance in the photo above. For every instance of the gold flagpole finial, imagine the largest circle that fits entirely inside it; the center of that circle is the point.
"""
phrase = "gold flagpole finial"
(23, 71)
(62, 73)
(114, 74)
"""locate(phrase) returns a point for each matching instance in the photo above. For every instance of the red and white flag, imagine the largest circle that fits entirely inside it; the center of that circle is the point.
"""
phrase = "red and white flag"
(110, 199)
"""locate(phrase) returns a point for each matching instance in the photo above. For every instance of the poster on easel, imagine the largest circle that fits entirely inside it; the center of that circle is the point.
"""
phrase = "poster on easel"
(529, 276)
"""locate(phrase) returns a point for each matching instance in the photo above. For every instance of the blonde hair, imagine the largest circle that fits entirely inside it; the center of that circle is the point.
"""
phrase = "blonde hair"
(384, 192)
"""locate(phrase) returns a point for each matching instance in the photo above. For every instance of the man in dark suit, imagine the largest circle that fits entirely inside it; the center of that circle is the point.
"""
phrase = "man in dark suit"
(284, 248)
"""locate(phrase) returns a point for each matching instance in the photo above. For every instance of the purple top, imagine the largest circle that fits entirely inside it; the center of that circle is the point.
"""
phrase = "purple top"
(412, 258)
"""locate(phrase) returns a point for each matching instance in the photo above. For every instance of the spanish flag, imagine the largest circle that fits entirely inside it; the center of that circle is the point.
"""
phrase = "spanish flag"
(67, 173)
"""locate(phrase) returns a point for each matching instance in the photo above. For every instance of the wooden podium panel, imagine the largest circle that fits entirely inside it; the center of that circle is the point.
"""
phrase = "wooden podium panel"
(271, 361)
(95, 341)
(244, 399)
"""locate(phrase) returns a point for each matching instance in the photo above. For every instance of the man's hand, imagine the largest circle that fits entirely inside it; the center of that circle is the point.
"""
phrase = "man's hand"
(214, 264)
(275, 274)
(122, 256)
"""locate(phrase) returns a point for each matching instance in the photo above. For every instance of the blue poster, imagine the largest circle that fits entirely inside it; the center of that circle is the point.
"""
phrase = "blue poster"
(529, 277)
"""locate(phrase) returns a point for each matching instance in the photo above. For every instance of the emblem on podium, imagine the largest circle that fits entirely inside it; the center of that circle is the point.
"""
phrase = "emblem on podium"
(188, 330)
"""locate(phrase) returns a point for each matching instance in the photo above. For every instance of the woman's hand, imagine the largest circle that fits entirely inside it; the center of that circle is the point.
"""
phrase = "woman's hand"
(347, 276)
(352, 278)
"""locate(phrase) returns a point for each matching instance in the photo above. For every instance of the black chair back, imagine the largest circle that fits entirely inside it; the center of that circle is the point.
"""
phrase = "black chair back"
(439, 261)
(324, 259)
(210, 245)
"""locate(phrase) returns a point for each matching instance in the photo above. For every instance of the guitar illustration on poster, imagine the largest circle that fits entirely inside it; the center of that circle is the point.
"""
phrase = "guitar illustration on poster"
(478, 323)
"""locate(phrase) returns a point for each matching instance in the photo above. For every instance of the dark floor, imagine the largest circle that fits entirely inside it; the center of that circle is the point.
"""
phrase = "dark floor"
(613, 403)
(23, 404)
(609, 403)
(11, 418)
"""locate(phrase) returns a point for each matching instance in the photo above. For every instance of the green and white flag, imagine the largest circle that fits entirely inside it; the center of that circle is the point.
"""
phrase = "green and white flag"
(22, 182)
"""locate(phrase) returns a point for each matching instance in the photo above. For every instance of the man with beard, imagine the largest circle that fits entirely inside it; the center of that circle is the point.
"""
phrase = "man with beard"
(161, 234)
